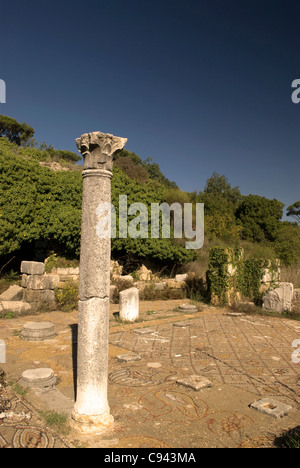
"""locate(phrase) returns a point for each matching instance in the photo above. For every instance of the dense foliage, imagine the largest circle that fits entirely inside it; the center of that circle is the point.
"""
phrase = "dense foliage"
(15, 132)
(37, 203)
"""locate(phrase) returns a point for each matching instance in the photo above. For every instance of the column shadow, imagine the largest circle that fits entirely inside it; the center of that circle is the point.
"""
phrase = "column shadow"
(74, 330)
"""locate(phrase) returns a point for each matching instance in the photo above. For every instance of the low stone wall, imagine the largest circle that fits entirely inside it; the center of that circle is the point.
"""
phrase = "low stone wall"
(38, 287)
(37, 290)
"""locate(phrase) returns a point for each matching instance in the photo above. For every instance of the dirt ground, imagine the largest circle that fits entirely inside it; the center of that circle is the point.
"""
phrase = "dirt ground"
(245, 357)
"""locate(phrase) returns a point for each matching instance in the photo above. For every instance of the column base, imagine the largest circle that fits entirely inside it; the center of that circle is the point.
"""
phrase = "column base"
(99, 423)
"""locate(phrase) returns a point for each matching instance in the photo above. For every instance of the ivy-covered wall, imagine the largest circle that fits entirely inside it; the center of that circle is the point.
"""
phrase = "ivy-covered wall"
(231, 277)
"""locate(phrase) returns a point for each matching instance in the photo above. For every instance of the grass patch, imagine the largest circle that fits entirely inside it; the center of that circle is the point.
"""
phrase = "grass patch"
(67, 296)
(22, 391)
(57, 421)
(289, 439)
(8, 315)
(251, 309)
(150, 293)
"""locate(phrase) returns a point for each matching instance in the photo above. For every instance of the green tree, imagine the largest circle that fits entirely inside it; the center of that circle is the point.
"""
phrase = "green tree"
(259, 217)
(219, 185)
(37, 203)
(15, 132)
(220, 203)
(294, 211)
(287, 243)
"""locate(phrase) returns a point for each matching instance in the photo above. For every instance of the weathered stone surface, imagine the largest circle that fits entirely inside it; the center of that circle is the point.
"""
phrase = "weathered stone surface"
(17, 307)
(129, 357)
(160, 286)
(92, 361)
(188, 308)
(195, 382)
(91, 411)
(38, 378)
(32, 268)
(271, 273)
(42, 282)
(37, 331)
(98, 148)
(42, 296)
(144, 274)
(181, 324)
(24, 278)
(65, 271)
(94, 277)
(279, 299)
(180, 278)
(13, 293)
(271, 407)
(125, 279)
(129, 304)
(173, 284)
(55, 400)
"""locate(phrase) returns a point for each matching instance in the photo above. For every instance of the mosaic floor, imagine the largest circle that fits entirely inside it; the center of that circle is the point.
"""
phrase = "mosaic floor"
(246, 358)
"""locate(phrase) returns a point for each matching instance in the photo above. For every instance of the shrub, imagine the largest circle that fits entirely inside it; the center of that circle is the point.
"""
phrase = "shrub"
(67, 296)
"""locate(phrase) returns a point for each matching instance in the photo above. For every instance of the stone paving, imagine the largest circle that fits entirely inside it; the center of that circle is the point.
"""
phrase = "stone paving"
(246, 358)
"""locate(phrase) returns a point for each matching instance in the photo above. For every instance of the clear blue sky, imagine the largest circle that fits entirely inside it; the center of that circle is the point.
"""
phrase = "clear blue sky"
(198, 85)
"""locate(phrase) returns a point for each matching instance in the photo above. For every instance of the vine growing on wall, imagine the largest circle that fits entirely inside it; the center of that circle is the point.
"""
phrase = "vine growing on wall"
(230, 275)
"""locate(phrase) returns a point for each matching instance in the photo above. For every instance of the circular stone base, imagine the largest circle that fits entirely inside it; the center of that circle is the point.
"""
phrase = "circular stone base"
(92, 423)
(188, 308)
(38, 378)
(38, 331)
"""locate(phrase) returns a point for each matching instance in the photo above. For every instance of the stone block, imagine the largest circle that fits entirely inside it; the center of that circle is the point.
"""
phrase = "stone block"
(160, 286)
(129, 304)
(65, 271)
(38, 331)
(181, 324)
(173, 284)
(17, 307)
(180, 278)
(188, 308)
(13, 293)
(271, 407)
(195, 382)
(144, 274)
(39, 296)
(280, 298)
(33, 268)
(129, 357)
(42, 282)
(38, 378)
(24, 278)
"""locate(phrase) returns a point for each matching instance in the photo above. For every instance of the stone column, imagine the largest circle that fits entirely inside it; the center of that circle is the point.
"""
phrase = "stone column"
(91, 411)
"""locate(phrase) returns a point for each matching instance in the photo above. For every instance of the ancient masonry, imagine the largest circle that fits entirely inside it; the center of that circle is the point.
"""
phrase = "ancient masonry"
(91, 410)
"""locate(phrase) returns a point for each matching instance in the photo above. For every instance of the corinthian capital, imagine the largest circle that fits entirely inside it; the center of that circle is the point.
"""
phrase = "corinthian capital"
(98, 149)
